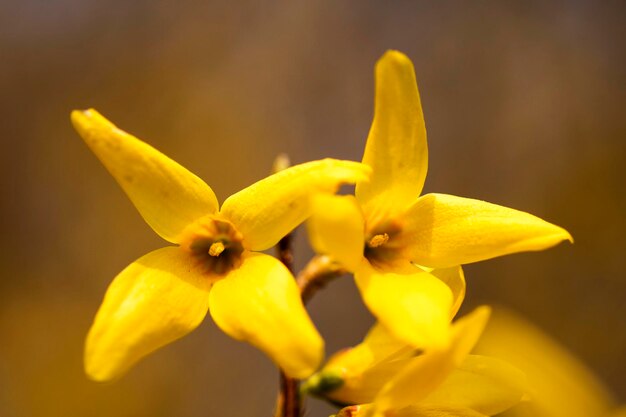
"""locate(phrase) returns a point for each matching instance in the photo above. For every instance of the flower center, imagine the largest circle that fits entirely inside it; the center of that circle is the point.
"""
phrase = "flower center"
(215, 244)
(381, 244)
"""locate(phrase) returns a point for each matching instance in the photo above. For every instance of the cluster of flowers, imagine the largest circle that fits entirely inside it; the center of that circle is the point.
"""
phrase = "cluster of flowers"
(405, 251)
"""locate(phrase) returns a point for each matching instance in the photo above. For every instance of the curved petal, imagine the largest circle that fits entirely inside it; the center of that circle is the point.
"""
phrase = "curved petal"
(396, 146)
(455, 279)
(488, 385)
(562, 386)
(415, 308)
(355, 375)
(443, 230)
(260, 303)
(167, 195)
(426, 372)
(336, 228)
(157, 299)
(271, 208)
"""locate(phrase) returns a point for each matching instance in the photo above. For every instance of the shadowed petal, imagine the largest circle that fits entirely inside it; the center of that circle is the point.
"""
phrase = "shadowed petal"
(415, 307)
(269, 209)
(157, 299)
(167, 195)
(336, 228)
(487, 385)
(455, 279)
(260, 303)
(444, 230)
(396, 146)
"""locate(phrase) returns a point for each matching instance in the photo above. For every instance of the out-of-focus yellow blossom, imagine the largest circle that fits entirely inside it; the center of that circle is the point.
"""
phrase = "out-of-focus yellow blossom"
(561, 386)
(165, 294)
(387, 227)
(386, 377)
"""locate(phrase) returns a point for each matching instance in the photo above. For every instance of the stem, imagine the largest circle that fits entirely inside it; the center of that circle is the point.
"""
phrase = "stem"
(320, 270)
(289, 402)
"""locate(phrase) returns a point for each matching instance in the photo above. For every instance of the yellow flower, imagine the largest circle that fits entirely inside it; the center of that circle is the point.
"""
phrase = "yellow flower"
(387, 227)
(165, 294)
(387, 377)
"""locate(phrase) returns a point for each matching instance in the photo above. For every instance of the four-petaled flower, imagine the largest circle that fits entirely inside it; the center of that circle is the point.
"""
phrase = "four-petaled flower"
(166, 294)
(384, 377)
(391, 237)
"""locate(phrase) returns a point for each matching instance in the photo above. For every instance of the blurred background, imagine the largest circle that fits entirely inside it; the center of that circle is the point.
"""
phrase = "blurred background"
(524, 107)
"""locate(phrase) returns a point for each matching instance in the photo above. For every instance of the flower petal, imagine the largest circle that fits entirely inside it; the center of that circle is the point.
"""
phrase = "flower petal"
(484, 384)
(415, 307)
(355, 375)
(336, 228)
(562, 386)
(157, 299)
(426, 372)
(367, 410)
(396, 146)
(269, 209)
(455, 279)
(167, 195)
(444, 230)
(260, 303)
(434, 411)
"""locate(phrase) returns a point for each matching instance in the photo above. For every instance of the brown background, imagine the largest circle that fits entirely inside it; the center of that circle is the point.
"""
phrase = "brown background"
(524, 106)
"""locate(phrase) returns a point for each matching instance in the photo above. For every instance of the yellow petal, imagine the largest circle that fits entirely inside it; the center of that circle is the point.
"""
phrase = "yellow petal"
(367, 410)
(415, 308)
(396, 146)
(336, 228)
(355, 375)
(444, 230)
(455, 279)
(433, 411)
(426, 372)
(562, 386)
(269, 209)
(167, 195)
(482, 383)
(260, 303)
(157, 299)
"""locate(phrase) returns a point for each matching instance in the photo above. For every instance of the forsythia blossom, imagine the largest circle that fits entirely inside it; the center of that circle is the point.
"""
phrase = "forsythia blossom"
(392, 238)
(385, 377)
(215, 261)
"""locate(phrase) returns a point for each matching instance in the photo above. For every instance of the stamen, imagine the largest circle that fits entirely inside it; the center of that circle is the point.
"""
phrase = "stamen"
(216, 248)
(378, 240)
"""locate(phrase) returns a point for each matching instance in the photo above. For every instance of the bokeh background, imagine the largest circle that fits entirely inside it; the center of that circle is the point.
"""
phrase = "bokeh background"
(524, 107)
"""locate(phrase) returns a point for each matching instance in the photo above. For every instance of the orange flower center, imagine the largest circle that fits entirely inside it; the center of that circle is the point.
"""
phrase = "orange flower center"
(215, 244)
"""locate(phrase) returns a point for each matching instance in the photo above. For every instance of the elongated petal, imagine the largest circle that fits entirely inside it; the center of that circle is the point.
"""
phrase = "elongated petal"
(269, 209)
(396, 146)
(260, 303)
(157, 299)
(481, 383)
(336, 228)
(426, 372)
(167, 195)
(415, 308)
(444, 230)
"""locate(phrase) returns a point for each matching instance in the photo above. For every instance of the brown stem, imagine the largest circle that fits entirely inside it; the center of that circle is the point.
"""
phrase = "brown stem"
(320, 270)
(288, 403)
